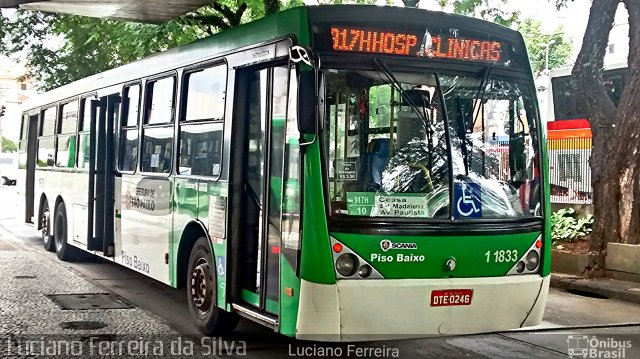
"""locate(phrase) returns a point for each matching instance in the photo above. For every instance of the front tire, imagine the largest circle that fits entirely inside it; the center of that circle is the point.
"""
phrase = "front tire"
(64, 251)
(202, 293)
(47, 239)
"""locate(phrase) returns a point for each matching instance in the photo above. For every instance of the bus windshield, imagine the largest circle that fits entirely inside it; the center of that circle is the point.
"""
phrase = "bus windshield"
(404, 143)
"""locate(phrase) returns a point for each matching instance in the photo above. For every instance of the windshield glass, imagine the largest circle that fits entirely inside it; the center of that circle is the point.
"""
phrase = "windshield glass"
(409, 144)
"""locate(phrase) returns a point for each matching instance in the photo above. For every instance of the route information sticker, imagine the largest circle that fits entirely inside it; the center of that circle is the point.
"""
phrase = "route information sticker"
(347, 171)
(387, 205)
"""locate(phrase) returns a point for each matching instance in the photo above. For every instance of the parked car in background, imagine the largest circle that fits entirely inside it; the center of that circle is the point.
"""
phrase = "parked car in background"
(8, 169)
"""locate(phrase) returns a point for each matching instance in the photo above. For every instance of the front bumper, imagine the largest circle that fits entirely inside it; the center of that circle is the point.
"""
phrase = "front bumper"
(360, 310)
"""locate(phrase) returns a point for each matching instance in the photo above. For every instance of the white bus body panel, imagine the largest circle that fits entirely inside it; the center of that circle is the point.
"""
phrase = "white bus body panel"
(359, 310)
(145, 227)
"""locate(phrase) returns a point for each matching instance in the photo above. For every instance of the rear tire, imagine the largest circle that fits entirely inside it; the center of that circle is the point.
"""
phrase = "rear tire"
(64, 250)
(202, 293)
(45, 230)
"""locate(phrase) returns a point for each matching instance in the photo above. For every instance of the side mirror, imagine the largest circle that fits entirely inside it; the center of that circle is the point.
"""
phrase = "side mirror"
(311, 104)
(307, 102)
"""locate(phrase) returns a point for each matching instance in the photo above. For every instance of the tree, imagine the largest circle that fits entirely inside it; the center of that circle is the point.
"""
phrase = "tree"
(615, 157)
(86, 45)
(535, 39)
(531, 30)
(8, 145)
(486, 9)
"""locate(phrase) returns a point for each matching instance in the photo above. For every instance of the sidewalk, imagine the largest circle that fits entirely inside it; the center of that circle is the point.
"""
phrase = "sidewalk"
(35, 286)
(597, 287)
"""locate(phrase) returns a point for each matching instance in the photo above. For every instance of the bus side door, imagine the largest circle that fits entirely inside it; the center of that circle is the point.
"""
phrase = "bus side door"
(261, 112)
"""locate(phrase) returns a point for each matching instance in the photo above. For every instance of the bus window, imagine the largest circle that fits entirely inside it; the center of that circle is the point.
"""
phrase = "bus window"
(132, 99)
(206, 94)
(83, 134)
(200, 149)
(156, 149)
(45, 152)
(22, 147)
(128, 159)
(66, 145)
(85, 121)
(69, 119)
(492, 125)
(159, 102)
(128, 151)
(48, 122)
(46, 142)
(23, 128)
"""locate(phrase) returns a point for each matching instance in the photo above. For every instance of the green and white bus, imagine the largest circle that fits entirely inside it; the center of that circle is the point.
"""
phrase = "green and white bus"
(335, 173)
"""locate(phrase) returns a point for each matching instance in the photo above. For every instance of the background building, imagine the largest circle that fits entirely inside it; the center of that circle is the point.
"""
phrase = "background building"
(14, 90)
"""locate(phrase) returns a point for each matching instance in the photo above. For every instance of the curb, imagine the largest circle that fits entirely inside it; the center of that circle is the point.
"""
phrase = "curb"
(600, 287)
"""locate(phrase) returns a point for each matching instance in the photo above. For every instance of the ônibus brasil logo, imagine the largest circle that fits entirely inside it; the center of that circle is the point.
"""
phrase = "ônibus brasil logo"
(386, 244)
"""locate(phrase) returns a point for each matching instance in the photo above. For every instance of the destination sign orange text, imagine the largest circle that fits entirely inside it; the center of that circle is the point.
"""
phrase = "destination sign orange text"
(345, 39)
(380, 42)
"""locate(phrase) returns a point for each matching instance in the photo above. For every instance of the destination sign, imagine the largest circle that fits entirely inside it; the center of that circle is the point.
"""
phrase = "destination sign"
(362, 40)
(373, 204)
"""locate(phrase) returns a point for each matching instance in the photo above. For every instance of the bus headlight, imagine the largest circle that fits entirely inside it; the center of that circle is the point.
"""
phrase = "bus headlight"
(532, 260)
(529, 262)
(347, 265)
(364, 271)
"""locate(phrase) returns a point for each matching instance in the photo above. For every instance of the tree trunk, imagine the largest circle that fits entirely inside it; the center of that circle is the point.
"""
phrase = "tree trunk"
(615, 158)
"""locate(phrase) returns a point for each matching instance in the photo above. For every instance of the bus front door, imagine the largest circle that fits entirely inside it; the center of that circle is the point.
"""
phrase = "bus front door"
(32, 140)
(104, 114)
(262, 100)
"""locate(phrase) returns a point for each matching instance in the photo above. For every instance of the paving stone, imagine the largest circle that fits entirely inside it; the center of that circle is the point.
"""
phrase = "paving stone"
(28, 276)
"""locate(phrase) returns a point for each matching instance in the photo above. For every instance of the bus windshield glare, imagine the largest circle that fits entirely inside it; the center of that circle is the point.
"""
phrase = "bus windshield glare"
(417, 144)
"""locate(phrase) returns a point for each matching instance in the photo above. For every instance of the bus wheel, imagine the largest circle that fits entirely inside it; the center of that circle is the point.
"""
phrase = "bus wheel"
(47, 240)
(202, 293)
(65, 251)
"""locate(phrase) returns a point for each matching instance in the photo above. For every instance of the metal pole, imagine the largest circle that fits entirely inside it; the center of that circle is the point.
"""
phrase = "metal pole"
(546, 62)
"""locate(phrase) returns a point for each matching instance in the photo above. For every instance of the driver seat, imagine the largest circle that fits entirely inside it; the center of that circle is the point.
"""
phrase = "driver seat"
(378, 159)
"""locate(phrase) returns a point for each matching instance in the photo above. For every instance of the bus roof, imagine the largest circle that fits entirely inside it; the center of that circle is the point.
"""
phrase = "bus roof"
(566, 69)
(291, 21)
(401, 16)
(255, 32)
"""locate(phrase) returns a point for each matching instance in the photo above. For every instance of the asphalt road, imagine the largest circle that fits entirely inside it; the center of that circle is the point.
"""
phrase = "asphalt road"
(602, 327)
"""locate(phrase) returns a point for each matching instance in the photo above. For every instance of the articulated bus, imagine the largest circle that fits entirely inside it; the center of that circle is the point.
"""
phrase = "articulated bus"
(335, 173)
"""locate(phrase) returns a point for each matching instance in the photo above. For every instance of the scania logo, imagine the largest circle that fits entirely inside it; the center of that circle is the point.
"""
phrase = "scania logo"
(386, 244)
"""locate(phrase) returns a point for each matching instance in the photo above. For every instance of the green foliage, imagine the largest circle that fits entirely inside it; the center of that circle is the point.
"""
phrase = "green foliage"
(559, 52)
(8, 145)
(485, 9)
(62, 48)
(567, 228)
(535, 39)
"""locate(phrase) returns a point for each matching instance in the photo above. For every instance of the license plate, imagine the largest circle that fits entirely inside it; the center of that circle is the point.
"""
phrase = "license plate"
(441, 298)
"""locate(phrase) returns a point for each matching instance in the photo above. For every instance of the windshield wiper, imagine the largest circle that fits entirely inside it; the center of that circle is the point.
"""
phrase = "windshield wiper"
(482, 90)
(461, 117)
(397, 86)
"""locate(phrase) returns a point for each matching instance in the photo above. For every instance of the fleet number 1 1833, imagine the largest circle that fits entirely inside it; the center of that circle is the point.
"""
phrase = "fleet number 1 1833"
(502, 256)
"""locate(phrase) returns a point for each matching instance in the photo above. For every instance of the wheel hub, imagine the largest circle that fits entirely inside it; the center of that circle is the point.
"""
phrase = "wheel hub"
(45, 224)
(201, 286)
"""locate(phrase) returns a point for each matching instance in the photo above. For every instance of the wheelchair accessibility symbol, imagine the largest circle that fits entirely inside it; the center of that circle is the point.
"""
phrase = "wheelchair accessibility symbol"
(468, 200)
(221, 266)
